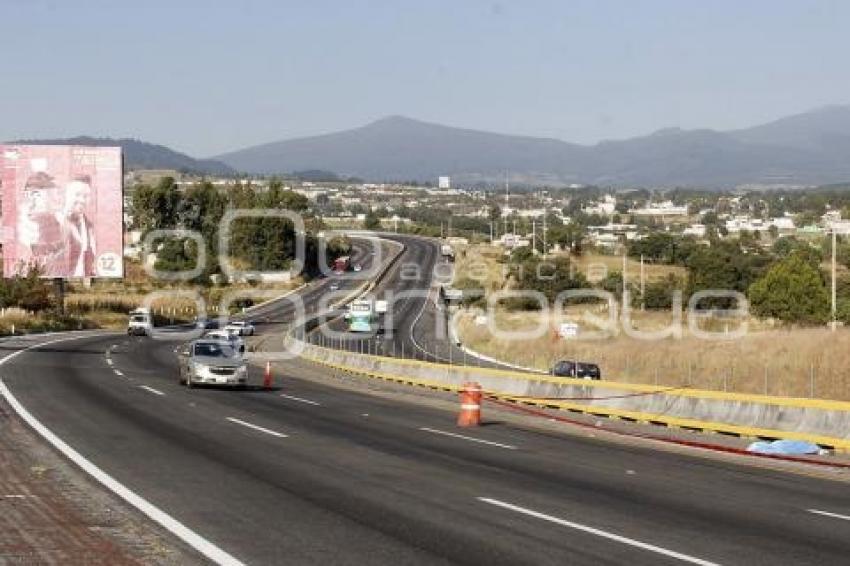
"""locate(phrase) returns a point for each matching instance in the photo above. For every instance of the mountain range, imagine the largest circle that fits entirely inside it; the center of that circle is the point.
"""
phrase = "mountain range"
(811, 148)
(804, 149)
(143, 155)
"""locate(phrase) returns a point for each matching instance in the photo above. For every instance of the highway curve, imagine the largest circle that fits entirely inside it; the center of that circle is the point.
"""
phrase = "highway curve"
(316, 474)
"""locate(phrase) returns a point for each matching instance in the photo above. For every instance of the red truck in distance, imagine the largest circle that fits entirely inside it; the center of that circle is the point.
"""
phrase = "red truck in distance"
(342, 264)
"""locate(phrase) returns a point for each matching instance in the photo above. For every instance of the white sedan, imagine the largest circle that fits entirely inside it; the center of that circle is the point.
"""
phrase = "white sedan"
(241, 327)
(229, 336)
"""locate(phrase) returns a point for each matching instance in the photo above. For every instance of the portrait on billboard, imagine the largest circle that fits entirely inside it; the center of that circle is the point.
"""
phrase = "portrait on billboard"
(62, 210)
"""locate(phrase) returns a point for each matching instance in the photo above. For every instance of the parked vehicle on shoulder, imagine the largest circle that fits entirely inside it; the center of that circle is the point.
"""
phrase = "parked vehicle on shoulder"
(211, 362)
(242, 327)
(581, 370)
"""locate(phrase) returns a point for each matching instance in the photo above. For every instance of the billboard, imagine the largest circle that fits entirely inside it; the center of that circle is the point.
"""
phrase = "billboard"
(444, 182)
(62, 210)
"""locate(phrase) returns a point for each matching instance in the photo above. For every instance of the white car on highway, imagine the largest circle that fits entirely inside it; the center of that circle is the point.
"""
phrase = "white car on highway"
(211, 362)
(140, 323)
(242, 327)
(229, 336)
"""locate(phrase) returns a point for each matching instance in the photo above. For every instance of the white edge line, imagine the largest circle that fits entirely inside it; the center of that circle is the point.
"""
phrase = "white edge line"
(471, 439)
(828, 514)
(151, 389)
(599, 533)
(294, 398)
(255, 427)
(184, 533)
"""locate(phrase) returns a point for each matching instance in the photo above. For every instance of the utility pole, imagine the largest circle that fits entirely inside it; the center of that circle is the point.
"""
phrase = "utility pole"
(625, 279)
(507, 200)
(642, 285)
(491, 232)
(533, 237)
(833, 278)
(545, 248)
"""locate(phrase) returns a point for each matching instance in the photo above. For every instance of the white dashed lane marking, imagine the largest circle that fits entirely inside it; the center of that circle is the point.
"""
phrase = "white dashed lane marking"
(300, 400)
(151, 390)
(259, 428)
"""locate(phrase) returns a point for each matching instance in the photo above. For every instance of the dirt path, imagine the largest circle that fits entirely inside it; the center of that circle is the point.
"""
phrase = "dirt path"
(51, 513)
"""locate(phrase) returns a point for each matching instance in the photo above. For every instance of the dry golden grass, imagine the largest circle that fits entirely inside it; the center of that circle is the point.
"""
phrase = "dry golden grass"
(485, 263)
(17, 321)
(480, 263)
(784, 362)
(591, 265)
(112, 298)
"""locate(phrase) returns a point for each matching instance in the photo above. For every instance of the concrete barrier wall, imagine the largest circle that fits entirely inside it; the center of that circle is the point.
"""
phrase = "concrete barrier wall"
(821, 421)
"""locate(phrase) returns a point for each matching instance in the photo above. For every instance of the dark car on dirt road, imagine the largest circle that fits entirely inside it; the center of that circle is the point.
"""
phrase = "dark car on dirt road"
(581, 370)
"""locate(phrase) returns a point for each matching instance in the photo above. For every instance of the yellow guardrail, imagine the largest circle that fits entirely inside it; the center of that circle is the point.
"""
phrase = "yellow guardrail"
(838, 444)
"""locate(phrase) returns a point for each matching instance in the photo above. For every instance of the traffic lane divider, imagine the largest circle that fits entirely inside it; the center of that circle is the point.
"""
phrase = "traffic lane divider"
(681, 442)
(832, 443)
(824, 404)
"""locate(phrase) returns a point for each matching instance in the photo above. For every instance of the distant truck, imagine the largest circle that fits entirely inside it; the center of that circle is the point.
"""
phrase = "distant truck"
(140, 323)
(447, 252)
(341, 264)
(381, 307)
(360, 316)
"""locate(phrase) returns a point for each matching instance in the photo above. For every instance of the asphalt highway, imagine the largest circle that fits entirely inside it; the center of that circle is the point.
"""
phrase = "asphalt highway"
(417, 324)
(310, 473)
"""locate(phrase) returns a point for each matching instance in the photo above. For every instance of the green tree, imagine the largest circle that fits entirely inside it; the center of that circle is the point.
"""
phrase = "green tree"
(659, 294)
(773, 231)
(550, 277)
(792, 290)
(372, 221)
(568, 236)
(723, 266)
(27, 290)
(155, 207)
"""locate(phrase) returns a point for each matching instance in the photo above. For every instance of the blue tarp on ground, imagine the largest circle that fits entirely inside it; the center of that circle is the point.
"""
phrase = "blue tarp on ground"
(784, 447)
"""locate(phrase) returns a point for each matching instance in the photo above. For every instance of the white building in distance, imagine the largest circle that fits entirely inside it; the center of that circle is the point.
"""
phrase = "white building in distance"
(605, 207)
(661, 209)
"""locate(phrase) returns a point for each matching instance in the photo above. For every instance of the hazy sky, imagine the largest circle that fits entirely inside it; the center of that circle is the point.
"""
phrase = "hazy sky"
(206, 79)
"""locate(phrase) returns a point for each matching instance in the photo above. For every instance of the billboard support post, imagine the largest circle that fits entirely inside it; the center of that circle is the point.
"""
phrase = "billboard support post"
(59, 287)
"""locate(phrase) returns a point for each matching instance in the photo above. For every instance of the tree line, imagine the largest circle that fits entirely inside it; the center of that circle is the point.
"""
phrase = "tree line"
(255, 244)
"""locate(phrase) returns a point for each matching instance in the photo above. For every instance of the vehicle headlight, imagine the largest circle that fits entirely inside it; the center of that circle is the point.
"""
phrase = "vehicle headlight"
(242, 369)
(201, 369)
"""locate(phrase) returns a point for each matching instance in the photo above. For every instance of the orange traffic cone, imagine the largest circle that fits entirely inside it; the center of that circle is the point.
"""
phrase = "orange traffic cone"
(267, 378)
(470, 405)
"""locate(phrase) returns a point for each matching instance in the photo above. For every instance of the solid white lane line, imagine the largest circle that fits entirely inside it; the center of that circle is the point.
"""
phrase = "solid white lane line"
(255, 427)
(828, 514)
(187, 535)
(469, 438)
(600, 533)
(109, 361)
(118, 372)
(151, 389)
(299, 399)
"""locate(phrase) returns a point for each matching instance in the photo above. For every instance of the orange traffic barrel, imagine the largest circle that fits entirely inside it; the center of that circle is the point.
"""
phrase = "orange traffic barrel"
(267, 376)
(470, 405)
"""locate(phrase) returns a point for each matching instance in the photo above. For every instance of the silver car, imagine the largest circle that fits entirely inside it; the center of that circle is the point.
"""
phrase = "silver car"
(241, 327)
(211, 362)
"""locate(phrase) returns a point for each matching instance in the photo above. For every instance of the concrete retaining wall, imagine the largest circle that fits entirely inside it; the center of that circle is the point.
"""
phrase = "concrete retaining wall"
(824, 422)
